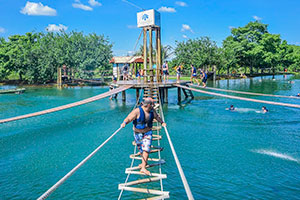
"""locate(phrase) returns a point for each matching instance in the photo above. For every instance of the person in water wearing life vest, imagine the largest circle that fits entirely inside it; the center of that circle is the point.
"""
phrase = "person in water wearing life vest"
(194, 74)
(264, 109)
(142, 118)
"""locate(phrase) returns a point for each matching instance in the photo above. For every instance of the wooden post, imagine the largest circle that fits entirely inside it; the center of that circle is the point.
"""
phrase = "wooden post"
(118, 72)
(59, 80)
(161, 95)
(150, 55)
(123, 95)
(137, 94)
(145, 54)
(158, 64)
(214, 70)
(185, 94)
(166, 95)
(179, 94)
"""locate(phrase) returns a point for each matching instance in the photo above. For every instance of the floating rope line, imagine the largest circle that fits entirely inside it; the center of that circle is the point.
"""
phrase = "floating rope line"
(241, 92)
(71, 105)
(182, 176)
(239, 98)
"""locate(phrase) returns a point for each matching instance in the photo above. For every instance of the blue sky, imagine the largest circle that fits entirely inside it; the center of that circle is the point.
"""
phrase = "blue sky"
(180, 19)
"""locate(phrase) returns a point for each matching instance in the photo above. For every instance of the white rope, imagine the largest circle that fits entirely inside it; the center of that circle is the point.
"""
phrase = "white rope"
(62, 180)
(240, 98)
(131, 165)
(158, 142)
(241, 92)
(134, 152)
(183, 179)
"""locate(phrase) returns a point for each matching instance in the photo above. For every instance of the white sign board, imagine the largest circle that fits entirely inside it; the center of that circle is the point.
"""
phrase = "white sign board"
(148, 18)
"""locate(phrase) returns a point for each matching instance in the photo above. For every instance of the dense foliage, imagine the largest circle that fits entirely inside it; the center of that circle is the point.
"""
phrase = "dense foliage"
(35, 57)
(247, 49)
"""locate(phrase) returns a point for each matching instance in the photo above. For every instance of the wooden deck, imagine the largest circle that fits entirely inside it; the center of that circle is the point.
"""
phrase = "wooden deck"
(141, 84)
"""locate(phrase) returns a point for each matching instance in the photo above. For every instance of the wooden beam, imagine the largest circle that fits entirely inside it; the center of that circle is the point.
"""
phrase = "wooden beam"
(145, 54)
(179, 94)
(140, 181)
(143, 190)
(150, 55)
(123, 95)
(159, 53)
(151, 174)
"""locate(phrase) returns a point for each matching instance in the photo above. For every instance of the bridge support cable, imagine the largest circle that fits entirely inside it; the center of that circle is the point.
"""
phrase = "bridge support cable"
(71, 105)
(240, 98)
(242, 92)
(182, 176)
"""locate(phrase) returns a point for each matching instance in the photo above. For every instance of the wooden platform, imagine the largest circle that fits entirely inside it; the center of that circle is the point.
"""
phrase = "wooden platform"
(141, 84)
(16, 91)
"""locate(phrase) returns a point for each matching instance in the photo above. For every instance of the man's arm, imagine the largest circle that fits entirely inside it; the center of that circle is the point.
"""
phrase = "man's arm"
(132, 116)
(157, 117)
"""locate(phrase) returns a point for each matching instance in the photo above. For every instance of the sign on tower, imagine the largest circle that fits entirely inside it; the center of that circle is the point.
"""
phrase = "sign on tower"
(148, 18)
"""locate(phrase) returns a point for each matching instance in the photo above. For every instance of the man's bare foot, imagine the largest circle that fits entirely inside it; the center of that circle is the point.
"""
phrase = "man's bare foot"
(145, 171)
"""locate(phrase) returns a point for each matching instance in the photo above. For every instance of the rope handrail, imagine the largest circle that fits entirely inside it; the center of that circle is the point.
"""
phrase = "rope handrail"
(62, 180)
(181, 173)
(78, 103)
(239, 98)
(242, 92)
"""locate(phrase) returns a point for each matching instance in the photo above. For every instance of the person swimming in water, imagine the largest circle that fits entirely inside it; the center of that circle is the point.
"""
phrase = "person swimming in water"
(298, 95)
(264, 109)
(231, 108)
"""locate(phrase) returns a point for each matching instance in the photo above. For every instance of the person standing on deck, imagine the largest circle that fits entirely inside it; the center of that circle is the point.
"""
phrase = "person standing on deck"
(165, 69)
(178, 71)
(142, 118)
(204, 78)
(194, 74)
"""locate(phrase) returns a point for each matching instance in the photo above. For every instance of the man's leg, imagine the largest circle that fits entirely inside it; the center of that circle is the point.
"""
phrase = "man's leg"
(146, 147)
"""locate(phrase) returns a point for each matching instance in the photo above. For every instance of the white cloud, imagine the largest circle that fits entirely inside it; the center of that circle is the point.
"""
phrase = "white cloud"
(55, 28)
(186, 27)
(257, 18)
(181, 3)
(2, 30)
(32, 8)
(131, 26)
(94, 3)
(166, 9)
(79, 5)
(185, 36)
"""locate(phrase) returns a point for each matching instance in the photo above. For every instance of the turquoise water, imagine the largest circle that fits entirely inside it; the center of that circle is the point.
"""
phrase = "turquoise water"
(225, 155)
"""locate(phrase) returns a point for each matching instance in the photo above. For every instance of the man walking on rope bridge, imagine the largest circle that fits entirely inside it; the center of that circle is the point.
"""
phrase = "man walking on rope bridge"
(142, 118)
